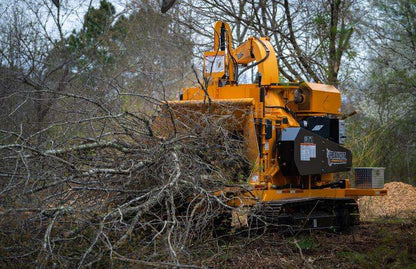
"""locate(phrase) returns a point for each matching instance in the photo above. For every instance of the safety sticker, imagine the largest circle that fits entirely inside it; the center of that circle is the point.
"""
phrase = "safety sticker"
(307, 151)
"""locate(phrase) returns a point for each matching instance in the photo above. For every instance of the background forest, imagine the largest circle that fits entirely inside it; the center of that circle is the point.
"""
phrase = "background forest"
(81, 83)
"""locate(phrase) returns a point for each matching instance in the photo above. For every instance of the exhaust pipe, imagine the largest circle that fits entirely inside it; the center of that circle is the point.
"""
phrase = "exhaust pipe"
(166, 5)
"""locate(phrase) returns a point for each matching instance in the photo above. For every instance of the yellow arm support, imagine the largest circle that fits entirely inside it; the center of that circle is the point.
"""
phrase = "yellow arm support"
(217, 34)
(224, 27)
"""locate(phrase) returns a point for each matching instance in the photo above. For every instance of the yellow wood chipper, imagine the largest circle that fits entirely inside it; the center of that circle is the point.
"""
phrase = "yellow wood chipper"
(293, 134)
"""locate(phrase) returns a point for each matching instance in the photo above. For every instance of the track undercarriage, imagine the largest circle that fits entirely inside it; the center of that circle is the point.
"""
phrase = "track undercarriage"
(299, 214)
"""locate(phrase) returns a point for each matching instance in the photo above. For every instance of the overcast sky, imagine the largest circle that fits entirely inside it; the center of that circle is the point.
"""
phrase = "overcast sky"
(71, 14)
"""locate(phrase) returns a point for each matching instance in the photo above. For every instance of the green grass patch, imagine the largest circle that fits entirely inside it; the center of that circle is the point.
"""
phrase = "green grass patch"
(305, 242)
(391, 251)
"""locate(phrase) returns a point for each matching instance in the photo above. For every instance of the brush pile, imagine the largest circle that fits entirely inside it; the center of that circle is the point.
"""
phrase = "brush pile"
(140, 192)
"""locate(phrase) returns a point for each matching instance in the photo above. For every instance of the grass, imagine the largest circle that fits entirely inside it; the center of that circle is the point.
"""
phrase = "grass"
(305, 242)
(394, 248)
(383, 243)
(381, 257)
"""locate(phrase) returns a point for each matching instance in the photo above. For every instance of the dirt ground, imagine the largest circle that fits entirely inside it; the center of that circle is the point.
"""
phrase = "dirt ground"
(383, 243)
(387, 241)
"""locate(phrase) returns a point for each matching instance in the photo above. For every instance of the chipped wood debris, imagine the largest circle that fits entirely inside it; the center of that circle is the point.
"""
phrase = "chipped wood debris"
(400, 202)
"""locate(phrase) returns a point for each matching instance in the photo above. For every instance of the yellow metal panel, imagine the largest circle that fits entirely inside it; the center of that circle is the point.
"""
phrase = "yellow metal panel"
(270, 195)
(321, 98)
(322, 87)
(193, 94)
(224, 102)
(240, 91)
(255, 196)
(365, 192)
(250, 138)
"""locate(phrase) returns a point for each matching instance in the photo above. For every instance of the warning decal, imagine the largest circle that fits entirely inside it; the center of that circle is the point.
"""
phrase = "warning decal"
(307, 151)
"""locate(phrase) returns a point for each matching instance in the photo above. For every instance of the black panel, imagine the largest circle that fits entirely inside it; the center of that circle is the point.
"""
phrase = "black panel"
(259, 133)
(262, 97)
(222, 37)
(323, 126)
(269, 129)
(302, 152)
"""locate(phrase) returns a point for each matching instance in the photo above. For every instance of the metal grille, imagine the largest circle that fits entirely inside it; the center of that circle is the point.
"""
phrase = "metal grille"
(369, 177)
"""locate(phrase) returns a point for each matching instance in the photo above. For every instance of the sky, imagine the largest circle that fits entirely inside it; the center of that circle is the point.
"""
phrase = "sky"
(44, 12)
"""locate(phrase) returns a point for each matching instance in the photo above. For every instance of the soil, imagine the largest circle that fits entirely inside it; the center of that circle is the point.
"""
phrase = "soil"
(385, 243)
(386, 238)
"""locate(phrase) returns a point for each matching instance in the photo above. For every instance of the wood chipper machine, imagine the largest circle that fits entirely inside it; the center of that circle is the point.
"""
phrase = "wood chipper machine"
(293, 134)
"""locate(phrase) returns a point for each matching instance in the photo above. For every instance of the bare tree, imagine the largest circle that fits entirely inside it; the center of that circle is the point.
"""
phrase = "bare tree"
(386, 91)
(312, 39)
